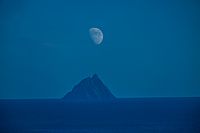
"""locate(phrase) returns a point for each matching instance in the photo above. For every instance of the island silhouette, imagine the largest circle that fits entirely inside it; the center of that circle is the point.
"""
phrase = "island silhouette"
(90, 107)
(90, 89)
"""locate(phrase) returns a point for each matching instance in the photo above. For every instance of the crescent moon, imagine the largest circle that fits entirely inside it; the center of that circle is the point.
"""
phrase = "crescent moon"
(96, 35)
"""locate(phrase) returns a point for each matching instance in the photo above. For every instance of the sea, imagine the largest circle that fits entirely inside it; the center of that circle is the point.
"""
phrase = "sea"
(125, 115)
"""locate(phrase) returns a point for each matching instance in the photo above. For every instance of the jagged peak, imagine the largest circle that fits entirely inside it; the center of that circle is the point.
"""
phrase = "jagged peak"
(90, 88)
(95, 76)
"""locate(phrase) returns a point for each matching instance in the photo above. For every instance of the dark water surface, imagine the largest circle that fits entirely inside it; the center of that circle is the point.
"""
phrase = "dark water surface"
(139, 115)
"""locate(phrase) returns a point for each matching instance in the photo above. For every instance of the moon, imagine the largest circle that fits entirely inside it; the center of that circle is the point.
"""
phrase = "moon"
(96, 35)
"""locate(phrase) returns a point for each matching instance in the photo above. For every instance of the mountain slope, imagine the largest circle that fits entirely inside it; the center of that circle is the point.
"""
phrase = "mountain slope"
(90, 89)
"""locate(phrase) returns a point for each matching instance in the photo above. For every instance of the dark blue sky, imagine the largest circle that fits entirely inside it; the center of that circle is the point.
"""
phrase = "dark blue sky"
(150, 48)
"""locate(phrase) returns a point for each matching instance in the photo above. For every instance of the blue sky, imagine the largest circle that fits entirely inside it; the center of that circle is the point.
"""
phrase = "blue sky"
(150, 48)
